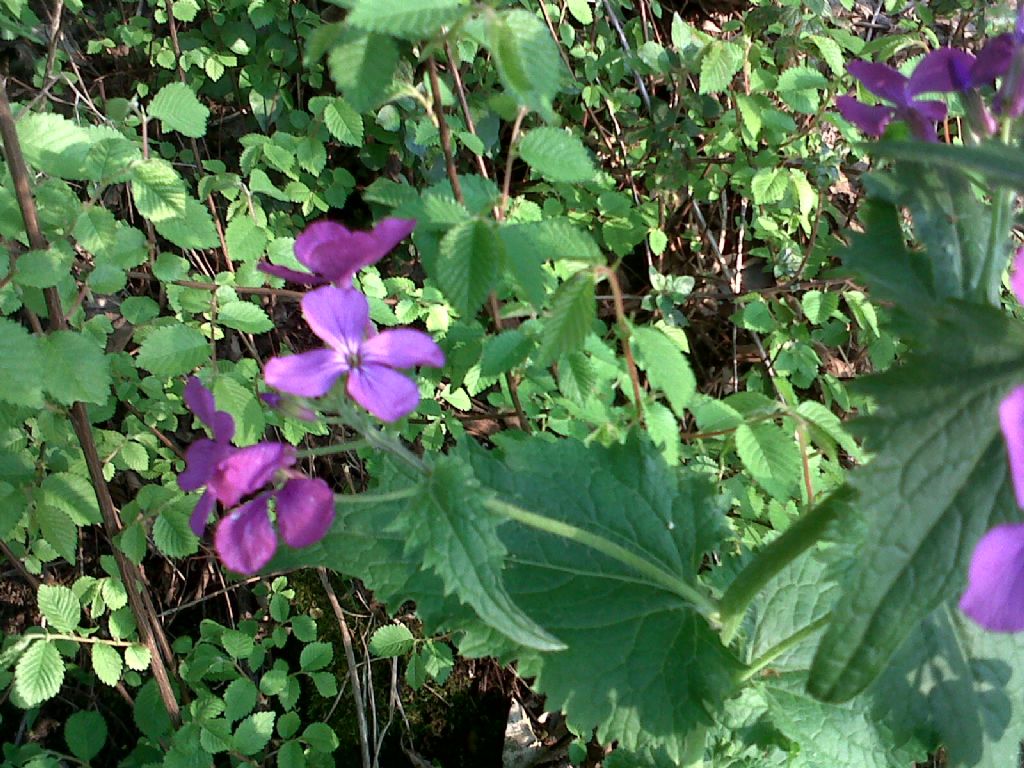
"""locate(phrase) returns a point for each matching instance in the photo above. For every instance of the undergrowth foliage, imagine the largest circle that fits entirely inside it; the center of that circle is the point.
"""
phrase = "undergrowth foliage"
(545, 320)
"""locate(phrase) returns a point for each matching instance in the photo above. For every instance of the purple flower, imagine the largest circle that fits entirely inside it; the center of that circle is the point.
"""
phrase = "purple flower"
(948, 70)
(333, 253)
(340, 317)
(995, 582)
(305, 507)
(886, 83)
(1003, 56)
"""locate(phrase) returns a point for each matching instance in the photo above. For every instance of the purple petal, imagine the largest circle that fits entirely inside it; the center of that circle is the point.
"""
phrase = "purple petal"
(245, 539)
(338, 316)
(201, 459)
(202, 513)
(995, 582)
(870, 119)
(993, 60)
(332, 250)
(249, 469)
(881, 80)
(1011, 419)
(402, 348)
(932, 111)
(1017, 275)
(309, 374)
(291, 275)
(305, 511)
(384, 392)
(943, 70)
(200, 401)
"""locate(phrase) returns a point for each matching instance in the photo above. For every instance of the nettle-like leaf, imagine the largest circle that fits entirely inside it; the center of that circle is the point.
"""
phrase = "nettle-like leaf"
(158, 190)
(666, 366)
(401, 18)
(556, 155)
(719, 63)
(178, 109)
(192, 229)
(529, 244)
(173, 350)
(771, 456)
(363, 66)
(344, 123)
(469, 263)
(391, 640)
(20, 383)
(54, 144)
(668, 666)
(38, 674)
(573, 309)
(799, 88)
(76, 368)
(526, 58)
(937, 481)
(245, 316)
(60, 607)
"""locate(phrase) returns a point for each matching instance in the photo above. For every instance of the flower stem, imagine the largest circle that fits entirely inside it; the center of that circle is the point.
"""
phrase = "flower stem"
(327, 450)
(669, 581)
(376, 498)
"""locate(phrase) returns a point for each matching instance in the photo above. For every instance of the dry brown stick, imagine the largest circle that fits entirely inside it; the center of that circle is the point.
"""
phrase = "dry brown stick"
(149, 628)
(33, 582)
(460, 89)
(353, 673)
(442, 128)
(624, 332)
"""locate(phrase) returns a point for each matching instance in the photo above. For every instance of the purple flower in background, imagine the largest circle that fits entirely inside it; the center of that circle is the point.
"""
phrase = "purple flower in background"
(886, 83)
(948, 70)
(333, 254)
(1003, 56)
(340, 317)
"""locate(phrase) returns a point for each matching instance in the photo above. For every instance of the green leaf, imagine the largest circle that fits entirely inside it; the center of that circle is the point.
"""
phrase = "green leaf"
(344, 123)
(149, 714)
(529, 244)
(320, 737)
(798, 88)
(158, 190)
(74, 494)
(41, 269)
(468, 264)
(20, 383)
(178, 109)
(173, 536)
(60, 607)
(414, 21)
(85, 734)
(573, 309)
(192, 229)
(819, 306)
(391, 640)
(246, 241)
(254, 733)
(363, 66)
(107, 664)
(173, 350)
(526, 58)
(769, 185)
(239, 698)
(580, 9)
(38, 674)
(137, 657)
(928, 494)
(54, 145)
(504, 352)
(316, 656)
(77, 369)
(720, 62)
(457, 539)
(556, 155)
(771, 456)
(245, 316)
(666, 366)
(58, 530)
(239, 400)
(291, 755)
(999, 164)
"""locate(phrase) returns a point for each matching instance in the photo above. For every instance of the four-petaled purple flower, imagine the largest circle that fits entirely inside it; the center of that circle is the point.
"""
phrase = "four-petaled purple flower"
(886, 83)
(948, 70)
(995, 581)
(341, 318)
(245, 539)
(334, 254)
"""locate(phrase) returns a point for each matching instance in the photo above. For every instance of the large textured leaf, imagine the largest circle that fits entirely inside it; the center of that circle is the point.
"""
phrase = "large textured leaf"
(572, 312)
(193, 229)
(468, 264)
(76, 368)
(667, 665)
(719, 63)
(666, 366)
(526, 58)
(178, 109)
(1000, 164)
(402, 18)
(39, 674)
(20, 383)
(158, 189)
(362, 66)
(937, 481)
(556, 155)
(54, 144)
(173, 350)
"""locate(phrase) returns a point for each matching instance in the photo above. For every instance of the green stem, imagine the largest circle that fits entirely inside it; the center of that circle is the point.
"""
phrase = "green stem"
(802, 535)
(77, 639)
(1002, 203)
(327, 450)
(661, 578)
(780, 648)
(376, 498)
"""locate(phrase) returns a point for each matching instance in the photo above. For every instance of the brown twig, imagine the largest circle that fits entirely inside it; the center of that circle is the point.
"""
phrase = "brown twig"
(149, 628)
(624, 334)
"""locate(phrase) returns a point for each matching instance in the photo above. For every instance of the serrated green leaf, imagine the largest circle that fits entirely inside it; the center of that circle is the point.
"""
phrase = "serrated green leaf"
(316, 656)
(178, 109)
(573, 309)
(291, 755)
(245, 316)
(38, 674)
(173, 350)
(74, 494)
(254, 733)
(59, 607)
(771, 456)
(148, 713)
(363, 66)
(137, 657)
(830, 51)
(320, 737)
(798, 87)
(78, 370)
(192, 229)
(20, 383)
(468, 264)
(401, 18)
(241, 403)
(720, 62)
(580, 9)
(666, 366)
(58, 530)
(95, 228)
(173, 536)
(556, 155)
(42, 269)
(55, 145)
(246, 241)
(239, 698)
(391, 640)
(158, 190)
(85, 734)
(107, 664)
(504, 352)
(526, 58)
(769, 185)
(344, 123)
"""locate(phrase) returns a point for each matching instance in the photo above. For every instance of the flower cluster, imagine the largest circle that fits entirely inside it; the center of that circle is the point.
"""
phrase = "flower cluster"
(250, 482)
(946, 70)
(995, 581)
